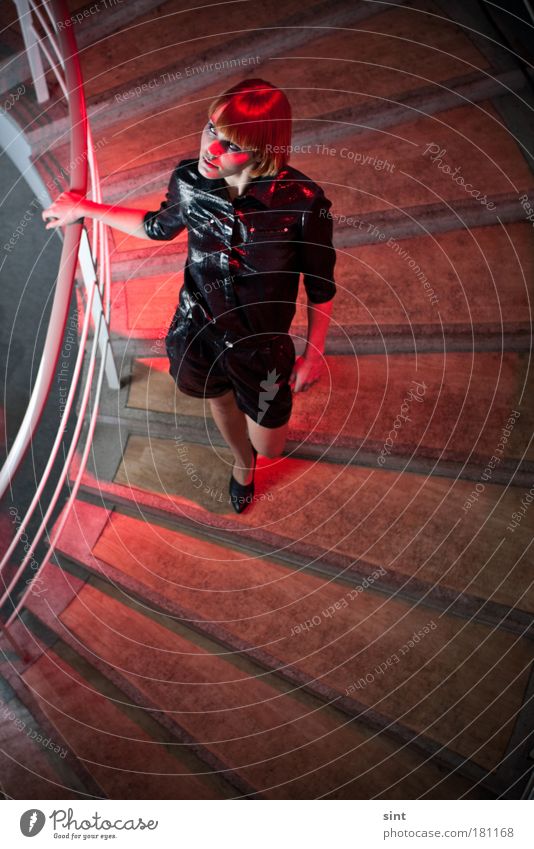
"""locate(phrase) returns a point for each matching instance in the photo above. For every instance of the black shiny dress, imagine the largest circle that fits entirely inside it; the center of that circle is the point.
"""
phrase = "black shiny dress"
(244, 261)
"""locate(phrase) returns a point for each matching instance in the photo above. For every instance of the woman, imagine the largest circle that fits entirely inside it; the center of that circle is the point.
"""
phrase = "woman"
(254, 225)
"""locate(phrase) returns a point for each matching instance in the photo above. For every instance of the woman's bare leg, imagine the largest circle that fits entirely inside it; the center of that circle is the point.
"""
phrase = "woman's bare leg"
(232, 424)
(239, 430)
(268, 441)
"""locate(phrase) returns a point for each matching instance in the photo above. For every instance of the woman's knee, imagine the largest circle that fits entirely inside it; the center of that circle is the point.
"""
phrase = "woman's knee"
(269, 442)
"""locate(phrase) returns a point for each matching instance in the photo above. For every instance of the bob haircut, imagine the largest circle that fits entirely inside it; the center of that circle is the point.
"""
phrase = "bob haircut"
(257, 116)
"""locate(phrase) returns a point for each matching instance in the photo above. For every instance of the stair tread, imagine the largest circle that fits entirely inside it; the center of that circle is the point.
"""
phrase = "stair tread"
(278, 627)
(274, 738)
(476, 279)
(158, 258)
(168, 40)
(361, 190)
(119, 753)
(438, 49)
(368, 116)
(421, 535)
(461, 132)
(242, 44)
(349, 517)
(89, 29)
(456, 404)
(443, 682)
(376, 49)
(26, 770)
(279, 744)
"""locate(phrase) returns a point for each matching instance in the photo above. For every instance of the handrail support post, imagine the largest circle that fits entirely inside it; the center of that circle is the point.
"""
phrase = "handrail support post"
(88, 270)
(31, 43)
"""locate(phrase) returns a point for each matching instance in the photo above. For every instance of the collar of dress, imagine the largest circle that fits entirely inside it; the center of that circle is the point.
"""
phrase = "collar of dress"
(262, 189)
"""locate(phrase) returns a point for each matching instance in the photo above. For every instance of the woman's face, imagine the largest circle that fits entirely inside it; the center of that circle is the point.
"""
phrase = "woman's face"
(225, 159)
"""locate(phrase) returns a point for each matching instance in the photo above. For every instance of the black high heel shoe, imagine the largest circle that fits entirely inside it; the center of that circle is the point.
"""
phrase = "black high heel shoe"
(241, 495)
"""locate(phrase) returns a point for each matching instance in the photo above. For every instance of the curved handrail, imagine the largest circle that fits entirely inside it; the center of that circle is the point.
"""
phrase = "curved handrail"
(76, 247)
(73, 85)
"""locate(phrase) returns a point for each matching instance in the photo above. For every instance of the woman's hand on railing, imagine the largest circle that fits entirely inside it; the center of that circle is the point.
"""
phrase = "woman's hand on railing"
(66, 209)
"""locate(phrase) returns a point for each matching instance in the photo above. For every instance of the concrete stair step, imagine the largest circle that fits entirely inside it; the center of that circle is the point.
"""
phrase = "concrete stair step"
(180, 40)
(440, 413)
(136, 258)
(406, 183)
(265, 738)
(468, 290)
(121, 182)
(120, 747)
(421, 197)
(424, 542)
(193, 56)
(33, 761)
(457, 288)
(461, 546)
(444, 55)
(340, 643)
(423, 163)
(430, 219)
(453, 72)
(28, 115)
(90, 27)
(26, 769)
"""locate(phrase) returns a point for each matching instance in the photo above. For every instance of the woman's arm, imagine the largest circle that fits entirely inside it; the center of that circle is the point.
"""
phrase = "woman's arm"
(70, 206)
(317, 261)
(318, 321)
(308, 368)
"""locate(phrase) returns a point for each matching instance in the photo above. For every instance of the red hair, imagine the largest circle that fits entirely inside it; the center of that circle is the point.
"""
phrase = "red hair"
(256, 115)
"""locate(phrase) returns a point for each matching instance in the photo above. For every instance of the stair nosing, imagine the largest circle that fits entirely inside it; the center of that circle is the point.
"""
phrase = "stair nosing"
(64, 635)
(516, 340)
(398, 224)
(24, 694)
(405, 588)
(359, 452)
(148, 177)
(327, 697)
(322, 14)
(57, 648)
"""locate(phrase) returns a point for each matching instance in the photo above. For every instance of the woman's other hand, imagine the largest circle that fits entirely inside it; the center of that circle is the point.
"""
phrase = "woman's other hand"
(66, 209)
(306, 371)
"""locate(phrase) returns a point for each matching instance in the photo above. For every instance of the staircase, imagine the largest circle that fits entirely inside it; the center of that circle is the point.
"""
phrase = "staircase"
(365, 629)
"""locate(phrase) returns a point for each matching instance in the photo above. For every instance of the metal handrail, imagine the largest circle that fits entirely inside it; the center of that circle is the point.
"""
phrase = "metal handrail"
(69, 255)
(75, 248)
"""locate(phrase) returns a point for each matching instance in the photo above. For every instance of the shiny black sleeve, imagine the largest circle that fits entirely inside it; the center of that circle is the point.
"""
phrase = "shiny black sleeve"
(166, 222)
(317, 256)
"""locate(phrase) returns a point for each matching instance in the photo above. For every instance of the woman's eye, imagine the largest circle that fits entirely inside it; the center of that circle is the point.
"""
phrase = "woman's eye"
(229, 147)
